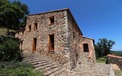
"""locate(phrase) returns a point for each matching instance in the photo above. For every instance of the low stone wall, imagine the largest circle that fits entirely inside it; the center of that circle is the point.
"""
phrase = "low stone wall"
(114, 60)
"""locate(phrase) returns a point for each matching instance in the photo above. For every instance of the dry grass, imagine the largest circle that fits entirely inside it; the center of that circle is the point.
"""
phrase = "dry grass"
(118, 73)
(4, 30)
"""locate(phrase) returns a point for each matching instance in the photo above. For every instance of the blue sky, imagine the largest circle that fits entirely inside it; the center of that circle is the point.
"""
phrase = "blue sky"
(96, 18)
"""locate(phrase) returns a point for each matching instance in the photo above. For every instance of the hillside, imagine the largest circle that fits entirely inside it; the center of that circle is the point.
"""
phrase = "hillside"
(119, 53)
(4, 30)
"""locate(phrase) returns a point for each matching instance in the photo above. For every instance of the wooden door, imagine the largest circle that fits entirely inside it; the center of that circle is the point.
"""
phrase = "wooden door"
(34, 44)
(51, 42)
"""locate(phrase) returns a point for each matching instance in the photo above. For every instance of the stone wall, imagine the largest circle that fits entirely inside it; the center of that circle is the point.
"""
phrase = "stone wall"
(114, 60)
(74, 38)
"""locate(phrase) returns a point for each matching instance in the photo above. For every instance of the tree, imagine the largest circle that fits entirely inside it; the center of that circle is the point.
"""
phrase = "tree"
(12, 14)
(104, 46)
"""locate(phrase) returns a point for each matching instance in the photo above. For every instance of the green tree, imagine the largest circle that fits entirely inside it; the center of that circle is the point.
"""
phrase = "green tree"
(12, 14)
(104, 46)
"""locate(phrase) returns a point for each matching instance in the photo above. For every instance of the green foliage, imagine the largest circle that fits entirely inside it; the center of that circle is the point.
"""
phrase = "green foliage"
(13, 64)
(103, 47)
(12, 14)
(9, 49)
(18, 69)
(21, 71)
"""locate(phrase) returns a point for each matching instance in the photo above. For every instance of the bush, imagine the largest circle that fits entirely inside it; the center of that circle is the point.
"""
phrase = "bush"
(11, 65)
(9, 49)
(18, 69)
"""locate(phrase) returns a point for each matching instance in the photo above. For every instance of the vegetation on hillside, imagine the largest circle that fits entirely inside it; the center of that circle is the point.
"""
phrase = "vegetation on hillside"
(3, 31)
(118, 53)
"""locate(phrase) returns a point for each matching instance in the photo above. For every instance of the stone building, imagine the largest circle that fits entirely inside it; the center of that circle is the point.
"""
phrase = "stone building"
(55, 34)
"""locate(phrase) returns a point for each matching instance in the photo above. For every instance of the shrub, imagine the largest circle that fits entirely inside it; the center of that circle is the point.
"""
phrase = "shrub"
(18, 69)
(13, 64)
(9, 49)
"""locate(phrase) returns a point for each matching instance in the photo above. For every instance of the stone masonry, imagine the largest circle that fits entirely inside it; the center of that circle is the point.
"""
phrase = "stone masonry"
(55, 34)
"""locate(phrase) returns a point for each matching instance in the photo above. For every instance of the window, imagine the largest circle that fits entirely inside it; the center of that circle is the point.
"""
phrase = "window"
(29, 27)
(52, 20)
(35, 26)
(73, 35)
(86, 48)
(51, 42)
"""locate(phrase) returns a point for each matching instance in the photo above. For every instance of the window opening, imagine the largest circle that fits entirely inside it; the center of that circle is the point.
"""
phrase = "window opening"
(51, 42)
(86, 48)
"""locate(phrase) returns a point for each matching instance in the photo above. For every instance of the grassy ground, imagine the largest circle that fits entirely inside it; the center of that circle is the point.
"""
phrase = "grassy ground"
(101, 60)
(118, 73)
(4, 30)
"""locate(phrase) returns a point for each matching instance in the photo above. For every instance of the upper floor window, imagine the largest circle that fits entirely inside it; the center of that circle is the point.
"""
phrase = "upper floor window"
(35, 26)
(51, 19)
(73, 35)
(86, 47)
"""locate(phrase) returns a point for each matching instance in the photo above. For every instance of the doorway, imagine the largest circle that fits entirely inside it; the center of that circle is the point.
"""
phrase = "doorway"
(34, 44)
(51, 42)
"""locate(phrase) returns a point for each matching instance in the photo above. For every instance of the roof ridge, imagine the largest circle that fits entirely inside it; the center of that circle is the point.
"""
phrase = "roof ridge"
(50, 11)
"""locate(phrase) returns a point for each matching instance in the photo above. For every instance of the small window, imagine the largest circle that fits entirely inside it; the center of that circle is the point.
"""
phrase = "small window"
(29, 27)
(73, 35)
(86, 48)
(52, 20)
(35, 26)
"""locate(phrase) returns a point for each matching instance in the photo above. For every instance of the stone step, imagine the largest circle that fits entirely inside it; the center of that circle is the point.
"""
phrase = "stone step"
(57, 72)
(27, 60)
(34, 60)
(44, 66)
(65, 73)
(52, 71)
(39, 62)
(49, 68)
